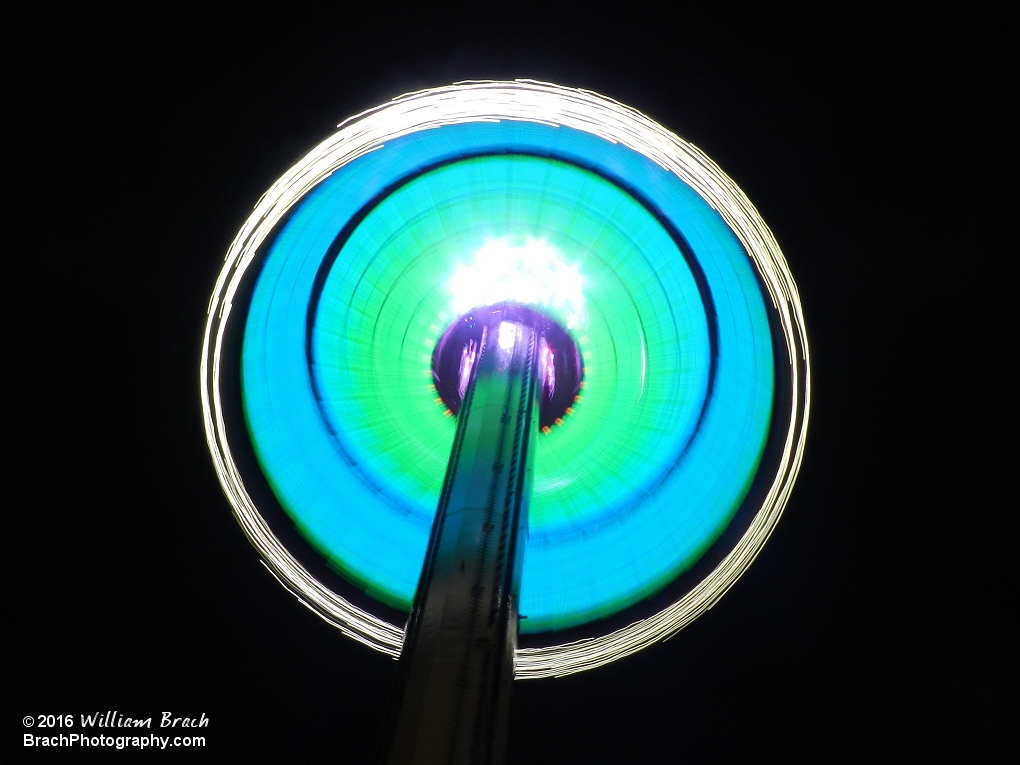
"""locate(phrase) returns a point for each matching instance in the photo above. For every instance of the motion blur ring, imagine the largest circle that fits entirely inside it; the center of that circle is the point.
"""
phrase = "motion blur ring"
(693, 406)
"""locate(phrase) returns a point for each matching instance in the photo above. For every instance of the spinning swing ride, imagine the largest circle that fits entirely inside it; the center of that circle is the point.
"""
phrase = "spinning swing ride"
(504, 359)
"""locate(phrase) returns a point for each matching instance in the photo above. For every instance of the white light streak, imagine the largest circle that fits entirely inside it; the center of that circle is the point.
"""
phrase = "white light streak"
(507, 336)
(529, 101)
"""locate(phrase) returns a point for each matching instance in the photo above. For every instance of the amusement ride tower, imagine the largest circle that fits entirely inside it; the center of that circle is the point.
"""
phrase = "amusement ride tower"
(504, 358)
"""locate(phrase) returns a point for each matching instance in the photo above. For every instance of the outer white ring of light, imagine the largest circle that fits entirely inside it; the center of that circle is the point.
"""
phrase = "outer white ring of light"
(522, 100)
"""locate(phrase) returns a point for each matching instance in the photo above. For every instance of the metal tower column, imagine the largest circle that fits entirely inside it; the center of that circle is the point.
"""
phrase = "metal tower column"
(457, 662)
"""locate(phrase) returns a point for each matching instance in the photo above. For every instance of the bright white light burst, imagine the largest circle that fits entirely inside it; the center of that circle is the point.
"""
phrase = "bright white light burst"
(534, 274)
(507, 336)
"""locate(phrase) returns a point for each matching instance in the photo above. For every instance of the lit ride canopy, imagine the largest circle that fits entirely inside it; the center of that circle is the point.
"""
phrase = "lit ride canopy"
(685, 319)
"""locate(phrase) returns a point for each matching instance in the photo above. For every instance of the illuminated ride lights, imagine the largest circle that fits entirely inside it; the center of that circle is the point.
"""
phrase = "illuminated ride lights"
(669, 348)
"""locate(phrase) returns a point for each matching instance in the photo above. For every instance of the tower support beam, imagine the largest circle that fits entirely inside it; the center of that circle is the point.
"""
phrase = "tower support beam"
(457, 662)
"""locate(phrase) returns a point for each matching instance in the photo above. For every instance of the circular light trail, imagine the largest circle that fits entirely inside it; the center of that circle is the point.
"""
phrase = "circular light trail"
(629, 238)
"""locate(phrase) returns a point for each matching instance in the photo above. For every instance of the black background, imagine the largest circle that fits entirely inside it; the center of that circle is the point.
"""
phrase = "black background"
(873, 620)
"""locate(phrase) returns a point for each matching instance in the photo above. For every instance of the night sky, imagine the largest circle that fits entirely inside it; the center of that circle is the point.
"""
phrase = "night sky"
(873, 619)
